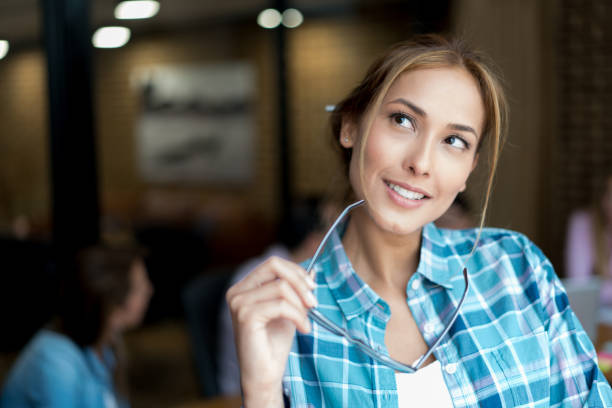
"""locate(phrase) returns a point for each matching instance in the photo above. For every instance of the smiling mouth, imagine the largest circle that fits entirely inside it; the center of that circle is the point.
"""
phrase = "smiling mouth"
(410, 195)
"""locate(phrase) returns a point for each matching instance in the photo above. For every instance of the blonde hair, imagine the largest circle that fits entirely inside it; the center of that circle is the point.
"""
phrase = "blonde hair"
(424, 52)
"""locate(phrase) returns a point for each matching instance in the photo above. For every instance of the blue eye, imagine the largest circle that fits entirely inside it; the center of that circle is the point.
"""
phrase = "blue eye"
(456, 141)
(403, 120)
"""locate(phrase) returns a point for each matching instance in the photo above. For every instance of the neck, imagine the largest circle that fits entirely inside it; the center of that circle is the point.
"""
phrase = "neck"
(103, 342)
(384, 260)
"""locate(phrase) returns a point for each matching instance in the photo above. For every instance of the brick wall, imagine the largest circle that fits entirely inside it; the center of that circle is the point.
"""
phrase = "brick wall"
(24, 160)
(117, 110)
(326, 57)
(583, 147)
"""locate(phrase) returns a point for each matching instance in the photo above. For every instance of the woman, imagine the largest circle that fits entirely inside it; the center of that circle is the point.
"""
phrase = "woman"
(388, 283)
(588, 250)
(78, 362)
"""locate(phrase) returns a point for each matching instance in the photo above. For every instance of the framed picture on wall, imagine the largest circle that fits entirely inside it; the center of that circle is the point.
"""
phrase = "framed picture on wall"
(196, 124)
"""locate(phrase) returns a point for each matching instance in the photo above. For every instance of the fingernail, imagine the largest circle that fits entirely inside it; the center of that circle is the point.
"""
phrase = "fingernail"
(312, 300)
(310, 282)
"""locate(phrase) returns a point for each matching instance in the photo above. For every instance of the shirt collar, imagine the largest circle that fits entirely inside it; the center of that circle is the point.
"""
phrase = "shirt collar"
(354, 296)
(101, 369)
(434, 257)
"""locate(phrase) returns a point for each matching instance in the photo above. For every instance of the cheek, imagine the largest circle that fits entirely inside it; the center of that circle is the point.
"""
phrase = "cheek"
(454, 171)
(133, 310)
(455, 179)
(138, 305)
(380, 153)
(373, 161)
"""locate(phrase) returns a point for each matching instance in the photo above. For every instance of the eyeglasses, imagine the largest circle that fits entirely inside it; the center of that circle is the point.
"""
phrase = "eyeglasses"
(361, 344)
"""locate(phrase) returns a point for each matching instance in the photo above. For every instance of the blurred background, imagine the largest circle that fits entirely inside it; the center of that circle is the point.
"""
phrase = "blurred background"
(194, 134)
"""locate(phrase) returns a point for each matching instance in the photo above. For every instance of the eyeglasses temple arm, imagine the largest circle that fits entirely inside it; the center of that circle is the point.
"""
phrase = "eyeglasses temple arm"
(425, 356)
(329, 232)
(388, 361)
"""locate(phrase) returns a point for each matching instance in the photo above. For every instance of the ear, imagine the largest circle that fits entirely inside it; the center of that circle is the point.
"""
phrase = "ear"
(347, 134)
(474, 164)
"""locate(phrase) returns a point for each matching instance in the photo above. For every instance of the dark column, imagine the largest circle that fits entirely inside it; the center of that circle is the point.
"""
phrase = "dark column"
(284, 149)
(74, 182)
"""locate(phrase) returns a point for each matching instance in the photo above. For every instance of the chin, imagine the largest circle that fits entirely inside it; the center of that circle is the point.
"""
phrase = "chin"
(391, 223)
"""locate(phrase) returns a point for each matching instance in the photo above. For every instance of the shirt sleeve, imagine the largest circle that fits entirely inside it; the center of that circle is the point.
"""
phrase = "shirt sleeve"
(575, 378)
(58, 385)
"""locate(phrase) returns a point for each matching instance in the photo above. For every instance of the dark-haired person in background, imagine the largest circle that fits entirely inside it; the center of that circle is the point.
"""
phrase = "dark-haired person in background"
(77, 361)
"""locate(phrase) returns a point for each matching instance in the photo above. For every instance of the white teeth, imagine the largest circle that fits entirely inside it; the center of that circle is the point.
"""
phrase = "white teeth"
(411, 195)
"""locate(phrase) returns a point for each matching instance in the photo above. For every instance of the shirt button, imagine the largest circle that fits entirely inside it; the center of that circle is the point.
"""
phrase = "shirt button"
(416, 284)
(429, 328)
(450, 368)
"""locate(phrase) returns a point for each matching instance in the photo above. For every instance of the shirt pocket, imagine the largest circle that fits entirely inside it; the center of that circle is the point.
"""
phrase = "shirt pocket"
(525, 366)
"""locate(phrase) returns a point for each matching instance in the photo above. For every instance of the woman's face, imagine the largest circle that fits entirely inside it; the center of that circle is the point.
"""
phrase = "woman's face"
(132, 311)
(421, 148)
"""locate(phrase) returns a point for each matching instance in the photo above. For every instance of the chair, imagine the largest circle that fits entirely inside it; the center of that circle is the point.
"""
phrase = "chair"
(202, 301)
(584, 300)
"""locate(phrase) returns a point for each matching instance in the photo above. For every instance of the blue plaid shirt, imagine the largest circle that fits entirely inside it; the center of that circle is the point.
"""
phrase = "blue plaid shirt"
(516, 341)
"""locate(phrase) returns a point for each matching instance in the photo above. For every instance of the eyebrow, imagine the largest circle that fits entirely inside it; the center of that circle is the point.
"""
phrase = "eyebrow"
(463, 128)
(411, 105)
(421, 112)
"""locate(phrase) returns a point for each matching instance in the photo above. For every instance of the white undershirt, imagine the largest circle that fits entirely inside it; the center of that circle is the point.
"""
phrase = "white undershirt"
(423, 388)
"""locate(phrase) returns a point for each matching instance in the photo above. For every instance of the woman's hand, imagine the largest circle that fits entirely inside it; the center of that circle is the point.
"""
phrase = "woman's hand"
(267, 306)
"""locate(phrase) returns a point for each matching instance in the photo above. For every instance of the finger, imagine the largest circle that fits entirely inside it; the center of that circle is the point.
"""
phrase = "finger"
(265, 312)
(277, 289)
(277, 268)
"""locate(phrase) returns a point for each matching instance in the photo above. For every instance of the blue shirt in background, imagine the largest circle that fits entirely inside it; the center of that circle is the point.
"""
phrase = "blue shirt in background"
(52, 371)
(516, 341)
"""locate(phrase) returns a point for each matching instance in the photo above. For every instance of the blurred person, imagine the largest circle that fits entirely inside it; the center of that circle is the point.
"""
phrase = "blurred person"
(588, 246)
(457, 216)
(21, 227)
(299, 236)
(394, 311)
(78, 360)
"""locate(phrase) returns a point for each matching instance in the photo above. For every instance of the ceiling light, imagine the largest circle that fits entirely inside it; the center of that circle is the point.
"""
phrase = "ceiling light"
(292, 18)
(136, 9)
(269, 18)
(4, 47)
(111, 37)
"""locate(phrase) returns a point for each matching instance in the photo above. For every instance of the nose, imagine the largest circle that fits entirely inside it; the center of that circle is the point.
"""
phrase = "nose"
(418, 159)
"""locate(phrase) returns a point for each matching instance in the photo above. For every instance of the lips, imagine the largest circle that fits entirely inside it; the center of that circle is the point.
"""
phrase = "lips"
(406, 191)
